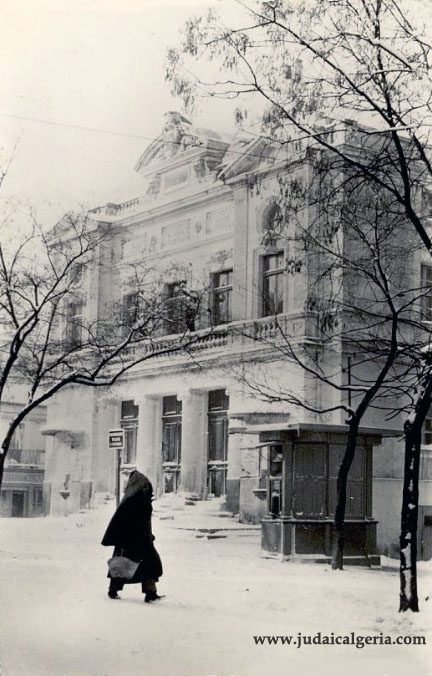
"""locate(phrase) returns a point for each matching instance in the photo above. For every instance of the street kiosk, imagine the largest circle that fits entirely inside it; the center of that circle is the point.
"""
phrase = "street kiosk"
(302, 467)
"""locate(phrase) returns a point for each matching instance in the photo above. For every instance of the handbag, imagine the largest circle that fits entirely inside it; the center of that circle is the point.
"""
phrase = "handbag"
(121, 566)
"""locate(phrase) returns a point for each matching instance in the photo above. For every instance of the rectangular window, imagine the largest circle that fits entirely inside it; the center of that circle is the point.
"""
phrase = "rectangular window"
(171, 443)
(426, 290)
(74, 323)
(222, 297)
(129, 422)
(37, 500)
(428, 200)
(181, 308)
(427, 429)
(272, 284)
(171, 406)
(130, 444)
(76, 274)
(16, 444)
(129, 312)
(275, 490)
(310, 470)
(174, 308)
(129, 409)
(356, 505)
(218, 404)
(218, 400)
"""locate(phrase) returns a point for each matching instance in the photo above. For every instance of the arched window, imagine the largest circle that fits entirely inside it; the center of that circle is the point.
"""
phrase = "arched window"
(272, 224)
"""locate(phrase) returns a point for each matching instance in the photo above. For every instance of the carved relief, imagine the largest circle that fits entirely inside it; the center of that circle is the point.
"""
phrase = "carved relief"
(200, 169)
(221, 257)
(154, 186)
(176, 178)
(153, 244)
(175, 234)
(134, 248)
(220, 220)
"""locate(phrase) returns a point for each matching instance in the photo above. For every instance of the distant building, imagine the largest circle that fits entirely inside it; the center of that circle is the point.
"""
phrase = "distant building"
(22, 492)
(190, 423)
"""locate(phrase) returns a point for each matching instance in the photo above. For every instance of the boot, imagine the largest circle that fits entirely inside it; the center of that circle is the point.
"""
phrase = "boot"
(113, 594)
(152, 596)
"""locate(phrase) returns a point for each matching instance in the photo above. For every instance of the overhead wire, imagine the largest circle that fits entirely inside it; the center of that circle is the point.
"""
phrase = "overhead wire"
(136, 136)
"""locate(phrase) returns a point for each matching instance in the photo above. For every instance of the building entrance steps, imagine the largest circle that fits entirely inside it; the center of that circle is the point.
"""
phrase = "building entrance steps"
(205, 518)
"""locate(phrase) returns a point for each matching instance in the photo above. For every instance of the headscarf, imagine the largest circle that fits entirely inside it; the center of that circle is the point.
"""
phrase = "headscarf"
(126, 528)
(137, 482)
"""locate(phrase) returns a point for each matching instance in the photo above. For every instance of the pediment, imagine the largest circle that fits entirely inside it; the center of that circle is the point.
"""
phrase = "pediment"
(67, 224)
(245, 156)
(177, 138)
(184, 154)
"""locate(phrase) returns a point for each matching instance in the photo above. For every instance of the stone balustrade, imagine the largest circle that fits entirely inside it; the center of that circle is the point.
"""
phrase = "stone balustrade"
(26, 456)
(112, 209)
(240, 335)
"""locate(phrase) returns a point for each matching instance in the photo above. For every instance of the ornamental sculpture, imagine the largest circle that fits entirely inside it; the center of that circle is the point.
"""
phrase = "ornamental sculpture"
(176, 134)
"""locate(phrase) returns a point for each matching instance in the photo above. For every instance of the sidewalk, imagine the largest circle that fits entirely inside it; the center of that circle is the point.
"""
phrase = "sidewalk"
(57, 620)
(205, 518)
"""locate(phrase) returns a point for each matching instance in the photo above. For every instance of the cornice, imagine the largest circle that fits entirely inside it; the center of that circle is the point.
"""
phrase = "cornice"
(249, 177)
(186, 157)
(189, 202)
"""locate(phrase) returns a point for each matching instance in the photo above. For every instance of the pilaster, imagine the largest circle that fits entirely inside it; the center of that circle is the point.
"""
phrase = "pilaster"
(149, 440)
(104, 459)
(241, 282)
(194, 442)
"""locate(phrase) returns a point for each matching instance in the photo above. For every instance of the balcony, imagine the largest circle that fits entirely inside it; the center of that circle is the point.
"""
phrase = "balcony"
(112, 211)
(252, 335)
(24, 456)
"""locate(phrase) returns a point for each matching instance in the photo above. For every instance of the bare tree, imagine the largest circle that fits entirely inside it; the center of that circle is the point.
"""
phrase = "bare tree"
(310, 67)
(364, 302)
(48, 339)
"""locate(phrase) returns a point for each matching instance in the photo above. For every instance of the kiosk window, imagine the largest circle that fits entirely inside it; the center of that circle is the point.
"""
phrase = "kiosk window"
(310, 469)
(275, 479)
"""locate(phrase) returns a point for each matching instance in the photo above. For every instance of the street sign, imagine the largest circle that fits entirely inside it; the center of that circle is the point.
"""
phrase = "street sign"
(116, 438)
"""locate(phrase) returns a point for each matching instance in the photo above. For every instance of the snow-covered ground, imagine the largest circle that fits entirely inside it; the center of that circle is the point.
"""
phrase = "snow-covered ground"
(57, 620)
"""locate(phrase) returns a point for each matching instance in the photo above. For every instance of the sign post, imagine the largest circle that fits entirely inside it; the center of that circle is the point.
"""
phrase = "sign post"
(116, 440)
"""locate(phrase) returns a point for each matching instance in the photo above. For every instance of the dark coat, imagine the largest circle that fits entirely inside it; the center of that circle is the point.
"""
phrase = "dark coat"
(130, 533)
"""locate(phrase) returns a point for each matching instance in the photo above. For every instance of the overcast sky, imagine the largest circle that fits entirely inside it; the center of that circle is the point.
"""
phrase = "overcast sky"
(89, 64)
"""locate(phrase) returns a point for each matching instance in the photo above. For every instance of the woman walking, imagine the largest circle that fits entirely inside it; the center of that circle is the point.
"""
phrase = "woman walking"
(130, 532)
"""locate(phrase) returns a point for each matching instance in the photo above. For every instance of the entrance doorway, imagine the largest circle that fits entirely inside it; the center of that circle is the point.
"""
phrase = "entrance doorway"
(218, 404)
(18, 503)
(129, 422)
(171, 443)
(425, 533)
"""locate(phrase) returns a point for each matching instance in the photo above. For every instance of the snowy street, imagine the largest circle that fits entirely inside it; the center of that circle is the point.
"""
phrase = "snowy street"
(57, 620)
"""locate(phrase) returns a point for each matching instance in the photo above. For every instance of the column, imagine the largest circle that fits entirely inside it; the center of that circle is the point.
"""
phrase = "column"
(193, 478)
(149, 440)
(104, 459)
(235, 443)
(60, 506)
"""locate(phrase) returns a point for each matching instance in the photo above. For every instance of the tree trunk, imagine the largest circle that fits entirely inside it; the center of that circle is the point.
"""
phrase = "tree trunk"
(5, 446)
(2, 462)
(409, 518)
(341, 494)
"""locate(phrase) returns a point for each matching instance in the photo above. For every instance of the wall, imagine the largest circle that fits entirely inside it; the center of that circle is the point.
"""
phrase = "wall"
(69, 432)
(23, 477)
(26, 483)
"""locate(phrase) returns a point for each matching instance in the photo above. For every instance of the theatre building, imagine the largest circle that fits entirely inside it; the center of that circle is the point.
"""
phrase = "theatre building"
(191, 420)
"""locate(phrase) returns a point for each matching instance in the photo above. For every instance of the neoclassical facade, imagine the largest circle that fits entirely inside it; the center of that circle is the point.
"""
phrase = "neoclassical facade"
(191, 422)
